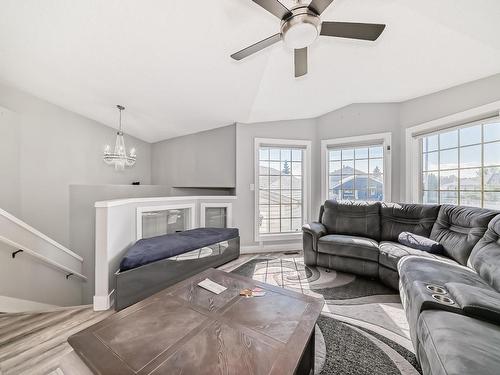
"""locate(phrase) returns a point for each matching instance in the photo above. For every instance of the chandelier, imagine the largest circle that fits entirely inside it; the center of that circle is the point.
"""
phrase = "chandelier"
(119, 157)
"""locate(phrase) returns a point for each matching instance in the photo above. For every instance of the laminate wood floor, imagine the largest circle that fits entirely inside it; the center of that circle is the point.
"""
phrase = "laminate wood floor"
(36, 343)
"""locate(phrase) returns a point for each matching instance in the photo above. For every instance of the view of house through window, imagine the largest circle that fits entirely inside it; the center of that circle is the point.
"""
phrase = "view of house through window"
(356, 173)
(281, 193)
(462, 166)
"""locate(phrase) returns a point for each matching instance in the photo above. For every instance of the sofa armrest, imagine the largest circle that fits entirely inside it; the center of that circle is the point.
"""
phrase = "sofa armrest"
(316, 230)
(476, 302)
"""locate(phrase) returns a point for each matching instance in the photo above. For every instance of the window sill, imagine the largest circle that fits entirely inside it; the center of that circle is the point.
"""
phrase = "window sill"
(278, 237)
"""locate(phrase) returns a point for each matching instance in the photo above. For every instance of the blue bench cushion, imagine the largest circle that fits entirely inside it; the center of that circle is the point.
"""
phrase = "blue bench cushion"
(152, 249)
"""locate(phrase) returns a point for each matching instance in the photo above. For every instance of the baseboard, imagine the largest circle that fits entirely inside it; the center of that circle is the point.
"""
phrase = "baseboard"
(270, 248)
(16, 305)
(102, 303)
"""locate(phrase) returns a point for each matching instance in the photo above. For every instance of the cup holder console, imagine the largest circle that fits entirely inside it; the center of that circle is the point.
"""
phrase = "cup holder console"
(436, 289)
(443, 299)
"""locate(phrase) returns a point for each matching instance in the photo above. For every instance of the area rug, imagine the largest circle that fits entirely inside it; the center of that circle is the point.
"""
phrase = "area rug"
(362, 329)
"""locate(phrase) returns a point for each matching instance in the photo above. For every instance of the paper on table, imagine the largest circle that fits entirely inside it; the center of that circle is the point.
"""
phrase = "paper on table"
(212, 286)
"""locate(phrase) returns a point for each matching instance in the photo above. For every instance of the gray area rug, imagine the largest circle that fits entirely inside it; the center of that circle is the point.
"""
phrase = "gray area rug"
(348, 346)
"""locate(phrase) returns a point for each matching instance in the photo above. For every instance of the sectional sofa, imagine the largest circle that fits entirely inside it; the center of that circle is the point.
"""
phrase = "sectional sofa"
(452, 300)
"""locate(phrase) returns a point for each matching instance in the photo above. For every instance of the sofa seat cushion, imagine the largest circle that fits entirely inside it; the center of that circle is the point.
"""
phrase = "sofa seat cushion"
(459, 229)
(453, 344)
(349, 246)
(352, 218)
(404, 217)
(392, 252)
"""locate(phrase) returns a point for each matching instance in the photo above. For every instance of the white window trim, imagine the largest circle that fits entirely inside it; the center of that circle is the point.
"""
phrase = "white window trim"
(141, 210)
(306, 188)
(385, 138)
(227, 206)
(412, 144)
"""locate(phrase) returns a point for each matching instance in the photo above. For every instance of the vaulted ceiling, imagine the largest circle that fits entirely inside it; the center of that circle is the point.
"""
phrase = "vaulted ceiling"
(168, 61)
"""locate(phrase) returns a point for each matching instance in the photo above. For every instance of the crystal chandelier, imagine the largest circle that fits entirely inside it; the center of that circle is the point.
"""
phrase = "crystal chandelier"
(119, 157)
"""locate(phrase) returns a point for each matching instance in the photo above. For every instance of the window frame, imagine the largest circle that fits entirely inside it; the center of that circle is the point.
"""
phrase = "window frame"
(140, 210)
(413, 144)
(306, 187)
(383, 139)
(227, 206)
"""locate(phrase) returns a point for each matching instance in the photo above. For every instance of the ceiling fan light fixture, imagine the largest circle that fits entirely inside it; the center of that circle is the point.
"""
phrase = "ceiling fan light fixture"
(300, 35)
(300, 30)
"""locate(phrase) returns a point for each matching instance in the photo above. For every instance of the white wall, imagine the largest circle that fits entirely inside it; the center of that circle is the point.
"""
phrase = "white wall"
(57, 148)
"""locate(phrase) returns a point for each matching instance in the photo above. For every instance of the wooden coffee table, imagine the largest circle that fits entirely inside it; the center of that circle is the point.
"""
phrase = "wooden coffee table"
(186, 329)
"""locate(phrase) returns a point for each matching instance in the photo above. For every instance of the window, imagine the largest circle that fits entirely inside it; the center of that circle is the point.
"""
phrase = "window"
(462, 165)
(216, 215)
(159, 220)
(357, 168)
(281, 187)
(356, 173)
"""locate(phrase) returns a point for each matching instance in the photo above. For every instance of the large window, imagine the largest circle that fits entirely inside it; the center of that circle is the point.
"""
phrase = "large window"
(281, 188)
(462, 166)
(357, 168)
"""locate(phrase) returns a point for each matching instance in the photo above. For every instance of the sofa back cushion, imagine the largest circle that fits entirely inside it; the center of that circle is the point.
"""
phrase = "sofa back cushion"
(401, 217)
(352, 218)
(485, 256)
(460, 228)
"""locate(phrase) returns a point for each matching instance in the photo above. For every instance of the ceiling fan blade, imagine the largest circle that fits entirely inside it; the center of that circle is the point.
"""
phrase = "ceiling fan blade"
(352, 30)
(300, 60)
(256, 47)
(318, 6)
(274, 7)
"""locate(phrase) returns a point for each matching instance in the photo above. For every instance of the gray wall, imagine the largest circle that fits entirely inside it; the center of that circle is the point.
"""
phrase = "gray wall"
(57, 148)
(26, 278)
(10, 197)
(362, 119)
(443, 103)
(243, 210)
(205, 159)
(82, 220)
(352, 120)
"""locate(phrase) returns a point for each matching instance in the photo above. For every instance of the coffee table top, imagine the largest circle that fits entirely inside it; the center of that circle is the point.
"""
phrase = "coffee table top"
(187, 329)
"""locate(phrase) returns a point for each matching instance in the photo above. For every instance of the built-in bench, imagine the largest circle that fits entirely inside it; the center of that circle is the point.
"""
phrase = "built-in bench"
(153, 264)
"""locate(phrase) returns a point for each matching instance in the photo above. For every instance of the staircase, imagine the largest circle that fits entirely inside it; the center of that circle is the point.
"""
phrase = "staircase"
(36, 343)
(35, 268)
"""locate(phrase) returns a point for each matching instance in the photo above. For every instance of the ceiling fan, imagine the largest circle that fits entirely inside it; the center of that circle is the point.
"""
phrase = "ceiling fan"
(301, 26)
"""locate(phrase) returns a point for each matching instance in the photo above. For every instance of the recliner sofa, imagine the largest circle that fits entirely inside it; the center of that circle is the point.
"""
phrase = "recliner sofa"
(452, 300)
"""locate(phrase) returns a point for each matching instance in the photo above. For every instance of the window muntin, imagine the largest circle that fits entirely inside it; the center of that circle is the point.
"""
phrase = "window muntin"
(281, 191)
(356, 173)
(462, 166)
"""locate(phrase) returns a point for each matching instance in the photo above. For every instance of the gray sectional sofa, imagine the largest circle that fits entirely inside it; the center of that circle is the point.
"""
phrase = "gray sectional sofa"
(452, 300)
